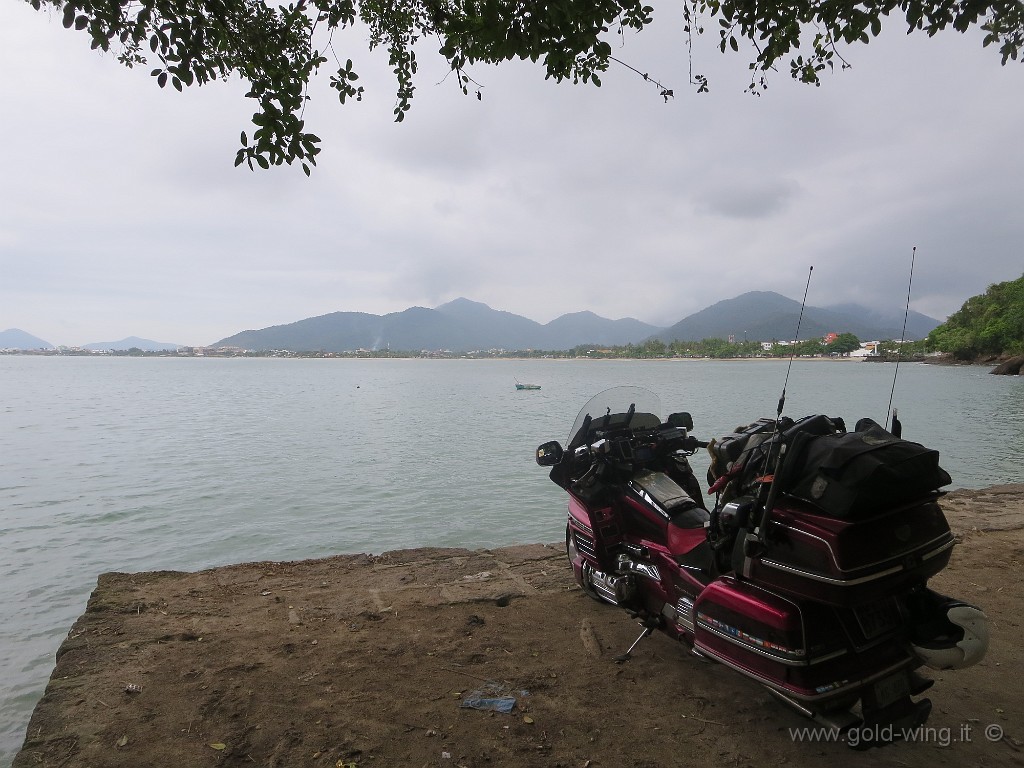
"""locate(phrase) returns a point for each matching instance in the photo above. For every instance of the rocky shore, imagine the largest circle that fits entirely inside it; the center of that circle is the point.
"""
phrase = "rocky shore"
(1003, 365)
(1010, 367)
(361, 660)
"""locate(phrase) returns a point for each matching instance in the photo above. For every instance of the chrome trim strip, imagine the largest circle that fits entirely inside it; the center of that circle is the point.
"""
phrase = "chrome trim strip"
(768, 654)
(586, 549)
(581, 524)
(852, 582)
(644, 569)
(828, 579)
(832, 554)
(684, 612)
(939, 550)
(602, 589)
(749, 647)
(947, 545)
(584, 545)
(814, 698)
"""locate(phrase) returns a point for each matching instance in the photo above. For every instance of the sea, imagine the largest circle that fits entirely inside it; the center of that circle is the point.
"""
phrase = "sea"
(138, 464)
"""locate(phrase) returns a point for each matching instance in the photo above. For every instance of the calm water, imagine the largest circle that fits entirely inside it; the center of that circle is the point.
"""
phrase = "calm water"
(134, 464)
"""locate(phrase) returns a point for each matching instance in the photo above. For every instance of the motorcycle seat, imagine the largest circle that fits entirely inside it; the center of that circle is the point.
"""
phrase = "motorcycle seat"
(690, 517)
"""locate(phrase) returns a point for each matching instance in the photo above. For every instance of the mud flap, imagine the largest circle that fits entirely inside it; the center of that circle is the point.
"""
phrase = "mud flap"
(896, 721)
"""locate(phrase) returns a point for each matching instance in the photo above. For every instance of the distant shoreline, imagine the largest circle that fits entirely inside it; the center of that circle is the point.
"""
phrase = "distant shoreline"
(941, 362)
(434, 357)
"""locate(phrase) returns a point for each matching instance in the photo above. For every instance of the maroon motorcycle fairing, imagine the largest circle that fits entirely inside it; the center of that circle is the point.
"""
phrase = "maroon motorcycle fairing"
(827, 613)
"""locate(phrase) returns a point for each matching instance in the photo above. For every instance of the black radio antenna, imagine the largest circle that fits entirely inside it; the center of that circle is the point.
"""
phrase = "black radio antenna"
(897, 428)
(754, 542)
(799, 322)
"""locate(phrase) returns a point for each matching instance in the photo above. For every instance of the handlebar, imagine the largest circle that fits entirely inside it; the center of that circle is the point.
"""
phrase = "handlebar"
(625, 445)
(623, 451)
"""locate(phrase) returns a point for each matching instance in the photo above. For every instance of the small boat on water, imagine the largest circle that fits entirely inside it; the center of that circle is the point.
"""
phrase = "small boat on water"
(519, 385)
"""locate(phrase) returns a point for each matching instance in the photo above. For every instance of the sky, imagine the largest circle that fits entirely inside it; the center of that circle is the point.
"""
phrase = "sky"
(121, 213)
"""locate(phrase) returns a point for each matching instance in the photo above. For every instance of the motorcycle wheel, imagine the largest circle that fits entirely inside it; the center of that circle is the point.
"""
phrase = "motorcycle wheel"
(584, 578)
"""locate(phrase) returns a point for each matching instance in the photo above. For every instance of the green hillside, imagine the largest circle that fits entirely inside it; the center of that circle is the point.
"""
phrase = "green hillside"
(986, 325)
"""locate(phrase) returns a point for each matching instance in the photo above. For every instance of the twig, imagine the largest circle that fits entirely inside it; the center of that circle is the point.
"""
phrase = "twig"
(665, 92)
(475, 677)
(702, 720)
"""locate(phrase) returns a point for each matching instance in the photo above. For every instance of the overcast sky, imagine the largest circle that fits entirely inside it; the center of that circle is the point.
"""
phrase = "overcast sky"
(121, 213)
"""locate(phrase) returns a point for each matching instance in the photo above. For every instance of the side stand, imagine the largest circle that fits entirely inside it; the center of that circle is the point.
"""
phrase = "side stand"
(626, 656)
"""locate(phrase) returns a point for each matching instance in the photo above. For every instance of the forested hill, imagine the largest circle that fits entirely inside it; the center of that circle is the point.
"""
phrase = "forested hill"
(991, 324)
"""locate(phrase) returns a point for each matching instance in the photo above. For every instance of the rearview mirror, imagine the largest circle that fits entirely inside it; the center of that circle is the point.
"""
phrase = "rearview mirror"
(549, 454)
(682, 419)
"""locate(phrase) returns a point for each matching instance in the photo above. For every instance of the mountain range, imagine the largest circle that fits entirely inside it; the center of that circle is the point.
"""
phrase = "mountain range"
(460, 325)
(463, 325)
(15, 338)
(767, 316)
(132, 342)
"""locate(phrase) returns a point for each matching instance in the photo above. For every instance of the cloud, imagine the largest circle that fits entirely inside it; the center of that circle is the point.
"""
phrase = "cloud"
(747, 199)
(121, 213)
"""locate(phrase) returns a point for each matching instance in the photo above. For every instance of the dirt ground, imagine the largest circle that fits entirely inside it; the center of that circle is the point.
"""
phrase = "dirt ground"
(367, 661)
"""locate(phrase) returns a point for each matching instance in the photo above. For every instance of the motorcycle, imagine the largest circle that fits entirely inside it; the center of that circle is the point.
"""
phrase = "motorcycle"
(807, 575)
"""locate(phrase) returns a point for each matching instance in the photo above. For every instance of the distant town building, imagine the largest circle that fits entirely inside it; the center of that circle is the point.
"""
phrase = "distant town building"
(867, 349)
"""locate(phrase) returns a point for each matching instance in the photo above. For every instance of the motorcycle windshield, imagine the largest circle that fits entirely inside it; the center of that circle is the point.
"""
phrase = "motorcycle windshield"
(611, 409)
